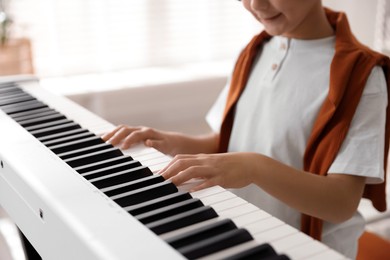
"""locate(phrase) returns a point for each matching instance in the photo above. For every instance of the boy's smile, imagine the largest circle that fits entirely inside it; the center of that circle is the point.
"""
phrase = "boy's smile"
(301, 19)
(270, 18)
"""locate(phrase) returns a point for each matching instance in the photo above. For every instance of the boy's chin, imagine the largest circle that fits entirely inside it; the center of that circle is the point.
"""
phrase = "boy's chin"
(273, 32)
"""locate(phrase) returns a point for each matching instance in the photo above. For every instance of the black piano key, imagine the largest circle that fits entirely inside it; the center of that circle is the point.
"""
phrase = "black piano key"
(158, 203)
(22, 104)
(116, 167)
(121, 177)
(202, 233)
(17, 116)
(124, 188)
(182, 220)
(85, 151)
(263, 251)
(169, 211)
(48, 125)
(15, 100)
(7, 91)
(8, 98)
(93, 157)
(11, 91)
(14, 94)
(36, 114)
(102, 164)
(215, 244)
(276, 257)
(55, 130)
(145, 194)
(41, 120)
(7, 85)
(62, 134)
(25, 106)
(11, 94)
(76, 144)
(69, 138)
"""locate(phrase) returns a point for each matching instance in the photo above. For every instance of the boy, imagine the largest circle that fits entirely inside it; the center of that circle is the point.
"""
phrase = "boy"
(300, 128)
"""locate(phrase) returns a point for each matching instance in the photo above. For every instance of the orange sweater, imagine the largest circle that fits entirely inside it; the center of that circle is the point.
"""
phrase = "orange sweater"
(349, 71)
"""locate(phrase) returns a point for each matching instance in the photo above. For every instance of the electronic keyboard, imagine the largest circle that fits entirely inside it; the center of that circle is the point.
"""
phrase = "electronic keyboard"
(76, 197)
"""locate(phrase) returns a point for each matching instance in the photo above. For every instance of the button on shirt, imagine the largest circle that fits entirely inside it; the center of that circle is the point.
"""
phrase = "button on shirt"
(275, 115)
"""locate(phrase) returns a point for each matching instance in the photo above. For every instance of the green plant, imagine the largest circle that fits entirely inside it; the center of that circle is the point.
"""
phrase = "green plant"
(5, 22)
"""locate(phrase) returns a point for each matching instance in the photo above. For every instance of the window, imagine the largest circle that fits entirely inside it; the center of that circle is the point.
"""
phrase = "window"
(72, 37)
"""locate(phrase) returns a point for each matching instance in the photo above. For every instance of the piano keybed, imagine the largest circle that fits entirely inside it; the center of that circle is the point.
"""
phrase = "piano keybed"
(210, 224)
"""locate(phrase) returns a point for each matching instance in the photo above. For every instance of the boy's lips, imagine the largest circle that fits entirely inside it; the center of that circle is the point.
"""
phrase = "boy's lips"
(270, 18)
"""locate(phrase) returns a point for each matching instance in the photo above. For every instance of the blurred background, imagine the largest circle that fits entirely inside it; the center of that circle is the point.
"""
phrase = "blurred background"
(159, 63)
(145, 62)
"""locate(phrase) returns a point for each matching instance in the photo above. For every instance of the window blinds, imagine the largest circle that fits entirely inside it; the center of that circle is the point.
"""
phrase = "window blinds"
(95, 36)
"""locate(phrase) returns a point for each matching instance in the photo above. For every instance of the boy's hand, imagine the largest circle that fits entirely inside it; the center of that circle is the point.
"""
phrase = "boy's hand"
(171, 143)
(127, 136)
(229, 170)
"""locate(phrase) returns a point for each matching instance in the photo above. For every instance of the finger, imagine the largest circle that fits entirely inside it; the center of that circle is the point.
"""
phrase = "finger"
(193, 172)
(110, 134)
(159, 145)
(203, 185)
(120, 135)
(181, 177)
(175, 166)
(140, 135)
(163, 170)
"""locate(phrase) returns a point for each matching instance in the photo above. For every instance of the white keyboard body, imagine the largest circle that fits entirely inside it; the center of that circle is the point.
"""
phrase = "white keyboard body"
(66, 217)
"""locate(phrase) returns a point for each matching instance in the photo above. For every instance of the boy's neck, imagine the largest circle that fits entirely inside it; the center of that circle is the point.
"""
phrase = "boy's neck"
(316, 26)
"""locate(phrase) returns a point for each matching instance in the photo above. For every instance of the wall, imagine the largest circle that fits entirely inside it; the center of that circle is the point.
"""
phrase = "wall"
(179, 106)
(361, 15)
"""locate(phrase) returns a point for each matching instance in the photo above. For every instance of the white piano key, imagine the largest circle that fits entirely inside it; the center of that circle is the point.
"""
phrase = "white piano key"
(307, 250)
(329, 254)
(218, 197)
(100, 129)
(207, 192)
(291, 242)
(235, 212)
(157, 167)
(139, 150)
(251, 217)
(263, 225)
(148, 157)
(156, 161)
(273, 234)
(229, 204)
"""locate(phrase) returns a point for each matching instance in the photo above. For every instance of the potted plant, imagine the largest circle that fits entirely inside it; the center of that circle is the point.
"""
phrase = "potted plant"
(15, 53)
(5, 22)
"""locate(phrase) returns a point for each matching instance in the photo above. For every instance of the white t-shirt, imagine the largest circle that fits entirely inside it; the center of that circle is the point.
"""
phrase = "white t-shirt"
(275, 114)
